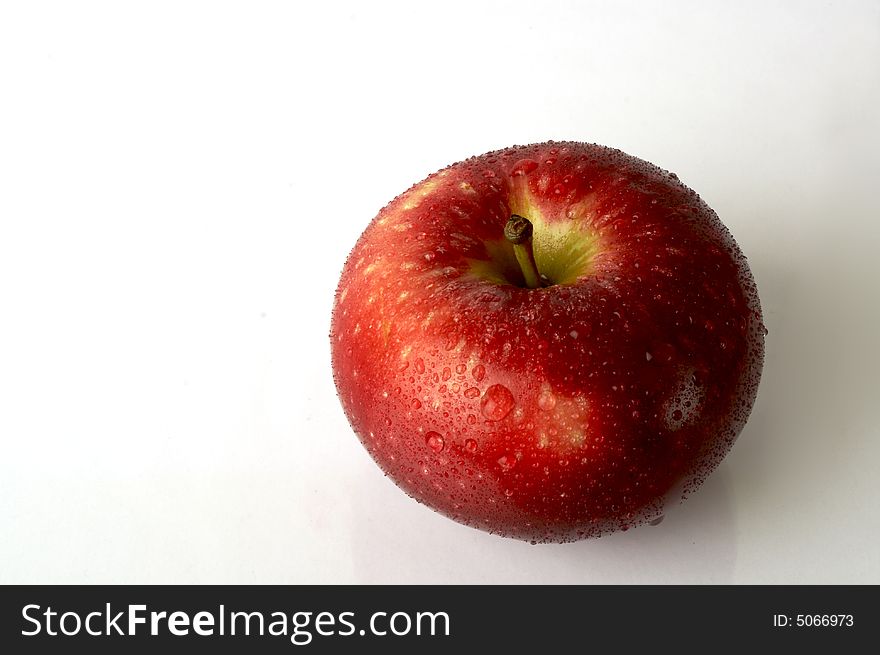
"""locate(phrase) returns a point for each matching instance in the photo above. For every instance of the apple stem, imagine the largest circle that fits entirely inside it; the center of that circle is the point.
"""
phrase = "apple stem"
(519, 232)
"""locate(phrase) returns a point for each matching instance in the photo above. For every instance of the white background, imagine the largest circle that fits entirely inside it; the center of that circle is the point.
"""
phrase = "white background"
(180, 184)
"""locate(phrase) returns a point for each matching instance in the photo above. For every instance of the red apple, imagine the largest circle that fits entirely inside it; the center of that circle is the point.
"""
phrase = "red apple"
(548, 342)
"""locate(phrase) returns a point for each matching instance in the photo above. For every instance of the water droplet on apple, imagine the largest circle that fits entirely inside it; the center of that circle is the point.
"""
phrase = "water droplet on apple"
(686, 401)
(574, 210)
(435, 442)
(420, 365)
(416, 403)
(508, 492)
(546, 401)
(460, 369)
(523, 167)
(479, 372)
(470, 445)
(471, 419)
(496, 402)
(506, 462)
(664, 353)
(471, 392)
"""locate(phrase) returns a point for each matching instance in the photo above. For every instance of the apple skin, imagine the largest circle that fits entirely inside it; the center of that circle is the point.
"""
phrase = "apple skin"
(558, 413)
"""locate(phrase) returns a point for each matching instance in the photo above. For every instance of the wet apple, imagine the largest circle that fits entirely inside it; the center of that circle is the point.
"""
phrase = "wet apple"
(547, 342)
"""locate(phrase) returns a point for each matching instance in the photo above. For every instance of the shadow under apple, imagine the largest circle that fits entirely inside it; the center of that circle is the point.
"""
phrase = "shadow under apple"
(395, 540)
